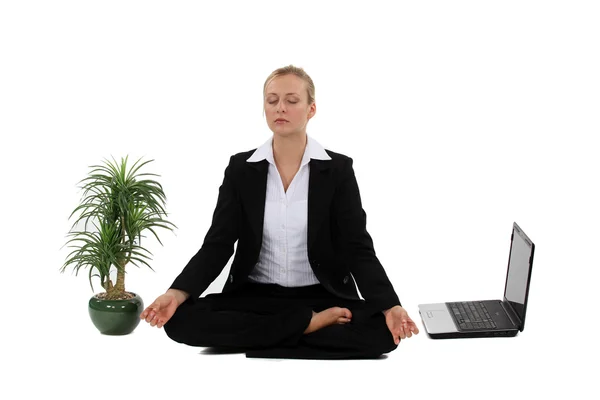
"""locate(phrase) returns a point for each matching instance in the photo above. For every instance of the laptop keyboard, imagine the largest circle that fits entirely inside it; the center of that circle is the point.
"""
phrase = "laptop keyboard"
(471, 315)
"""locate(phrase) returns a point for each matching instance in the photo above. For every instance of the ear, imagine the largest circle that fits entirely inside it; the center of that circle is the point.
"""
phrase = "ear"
(312, 110)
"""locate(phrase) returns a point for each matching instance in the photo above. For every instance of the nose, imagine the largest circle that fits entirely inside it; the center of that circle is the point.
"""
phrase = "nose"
(281, 106)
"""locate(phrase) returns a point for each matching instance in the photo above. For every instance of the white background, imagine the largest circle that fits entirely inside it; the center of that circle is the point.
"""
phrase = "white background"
(461, 117)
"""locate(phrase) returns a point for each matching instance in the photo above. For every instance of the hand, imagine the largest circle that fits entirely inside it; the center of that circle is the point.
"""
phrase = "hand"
(399, 323)
(159, 312)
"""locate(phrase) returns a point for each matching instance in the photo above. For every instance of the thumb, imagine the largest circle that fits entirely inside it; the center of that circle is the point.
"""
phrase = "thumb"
(395, 336)
(145, 313)
(154, 307)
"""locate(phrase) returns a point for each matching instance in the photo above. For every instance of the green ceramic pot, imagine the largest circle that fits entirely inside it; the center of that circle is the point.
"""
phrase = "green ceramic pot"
(116, 317)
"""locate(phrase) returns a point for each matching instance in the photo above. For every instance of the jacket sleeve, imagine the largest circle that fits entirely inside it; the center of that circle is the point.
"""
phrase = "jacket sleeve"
(209, 261)
(356, 242)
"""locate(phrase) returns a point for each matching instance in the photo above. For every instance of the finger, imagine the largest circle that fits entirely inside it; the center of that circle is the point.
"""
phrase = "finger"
(399, 331)
(160, 324)
(402, 331)
(150, 315)
(414, 328)
(405, 327)
(145, 313)
(409, 328)
(395, 337)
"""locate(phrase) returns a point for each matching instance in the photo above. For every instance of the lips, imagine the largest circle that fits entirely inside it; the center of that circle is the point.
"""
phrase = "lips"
(281, 120)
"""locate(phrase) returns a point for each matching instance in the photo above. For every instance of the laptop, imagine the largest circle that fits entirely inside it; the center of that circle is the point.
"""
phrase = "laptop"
(487, 318)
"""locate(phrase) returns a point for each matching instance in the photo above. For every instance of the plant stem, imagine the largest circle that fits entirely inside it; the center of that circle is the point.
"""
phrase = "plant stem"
(120, 283)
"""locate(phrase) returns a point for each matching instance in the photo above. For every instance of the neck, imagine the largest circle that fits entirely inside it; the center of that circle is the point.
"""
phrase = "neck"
(288, 150)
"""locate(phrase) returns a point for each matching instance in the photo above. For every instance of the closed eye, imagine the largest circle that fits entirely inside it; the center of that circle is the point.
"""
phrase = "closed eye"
(291, 102)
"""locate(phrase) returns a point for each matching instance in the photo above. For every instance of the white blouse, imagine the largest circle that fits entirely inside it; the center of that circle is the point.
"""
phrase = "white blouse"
(283, 255)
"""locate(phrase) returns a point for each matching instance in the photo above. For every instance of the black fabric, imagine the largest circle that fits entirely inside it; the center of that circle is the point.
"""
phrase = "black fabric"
(268, 321)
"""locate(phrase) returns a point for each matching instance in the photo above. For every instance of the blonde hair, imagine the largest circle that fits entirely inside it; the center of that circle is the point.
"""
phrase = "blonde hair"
(300, 73)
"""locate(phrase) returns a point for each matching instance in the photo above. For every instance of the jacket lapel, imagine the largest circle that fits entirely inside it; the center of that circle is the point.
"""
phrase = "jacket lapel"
(320, 192)
(254, 195)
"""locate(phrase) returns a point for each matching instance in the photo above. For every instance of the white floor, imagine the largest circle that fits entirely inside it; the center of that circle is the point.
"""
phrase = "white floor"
(58, 352)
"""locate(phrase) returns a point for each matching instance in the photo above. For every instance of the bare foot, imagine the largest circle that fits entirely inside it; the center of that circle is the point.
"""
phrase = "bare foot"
(333, 315)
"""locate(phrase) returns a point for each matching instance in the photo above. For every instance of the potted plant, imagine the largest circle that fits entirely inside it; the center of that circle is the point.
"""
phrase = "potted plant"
(120, 205)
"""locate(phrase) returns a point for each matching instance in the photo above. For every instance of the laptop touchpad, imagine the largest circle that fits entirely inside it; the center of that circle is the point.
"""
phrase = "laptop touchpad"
(438, 321)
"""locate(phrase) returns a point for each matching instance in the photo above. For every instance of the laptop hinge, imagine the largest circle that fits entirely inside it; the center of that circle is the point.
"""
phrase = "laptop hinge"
(511, 314)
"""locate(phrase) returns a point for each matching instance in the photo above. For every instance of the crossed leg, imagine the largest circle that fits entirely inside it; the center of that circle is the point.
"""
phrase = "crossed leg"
(316, 328)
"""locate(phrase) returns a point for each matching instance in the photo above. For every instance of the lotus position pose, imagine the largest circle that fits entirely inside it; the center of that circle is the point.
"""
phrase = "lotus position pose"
(295, 211)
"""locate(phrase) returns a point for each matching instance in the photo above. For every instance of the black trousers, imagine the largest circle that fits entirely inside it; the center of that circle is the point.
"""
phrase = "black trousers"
(268, 321)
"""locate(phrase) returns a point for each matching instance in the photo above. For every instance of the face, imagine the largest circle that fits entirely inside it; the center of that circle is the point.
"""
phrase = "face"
(286, 100)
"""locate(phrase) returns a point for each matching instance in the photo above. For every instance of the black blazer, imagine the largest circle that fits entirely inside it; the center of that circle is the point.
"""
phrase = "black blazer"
(339, 247)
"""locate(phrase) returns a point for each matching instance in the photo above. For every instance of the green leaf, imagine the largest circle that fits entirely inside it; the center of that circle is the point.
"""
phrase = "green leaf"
(117, 206)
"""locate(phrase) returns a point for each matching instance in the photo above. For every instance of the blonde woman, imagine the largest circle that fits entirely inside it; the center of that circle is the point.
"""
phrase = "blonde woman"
(295, 211)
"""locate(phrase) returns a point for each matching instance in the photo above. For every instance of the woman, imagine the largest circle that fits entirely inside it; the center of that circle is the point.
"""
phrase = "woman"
(295, 211)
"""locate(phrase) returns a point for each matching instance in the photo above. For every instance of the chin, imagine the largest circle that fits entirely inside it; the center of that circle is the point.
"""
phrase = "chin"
(281, 130)
(284, 133)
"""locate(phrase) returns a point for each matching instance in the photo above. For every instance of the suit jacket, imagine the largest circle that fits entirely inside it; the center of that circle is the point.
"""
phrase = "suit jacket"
(339, 247)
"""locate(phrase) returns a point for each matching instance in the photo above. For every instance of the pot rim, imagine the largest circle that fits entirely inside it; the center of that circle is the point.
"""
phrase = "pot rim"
(135, 295)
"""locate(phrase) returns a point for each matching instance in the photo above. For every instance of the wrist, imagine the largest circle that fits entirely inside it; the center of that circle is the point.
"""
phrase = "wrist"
(179, 295)
(386, 312)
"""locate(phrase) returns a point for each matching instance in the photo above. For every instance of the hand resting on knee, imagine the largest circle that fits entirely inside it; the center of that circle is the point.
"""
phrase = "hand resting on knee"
(162, 309)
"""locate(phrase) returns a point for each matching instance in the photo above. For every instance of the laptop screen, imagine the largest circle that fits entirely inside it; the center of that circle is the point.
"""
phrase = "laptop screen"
(519, 273)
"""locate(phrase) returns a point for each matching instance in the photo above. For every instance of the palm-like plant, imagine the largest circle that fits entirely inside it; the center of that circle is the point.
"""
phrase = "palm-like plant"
(121, 206)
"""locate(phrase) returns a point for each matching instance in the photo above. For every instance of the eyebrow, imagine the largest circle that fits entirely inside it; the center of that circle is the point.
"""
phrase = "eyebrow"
(285, 94)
